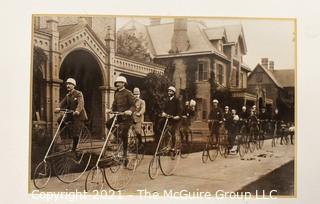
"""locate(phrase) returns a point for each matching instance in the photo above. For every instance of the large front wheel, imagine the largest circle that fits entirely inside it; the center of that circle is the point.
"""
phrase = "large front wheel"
(153, 170)
(213, 149)
(186, 142)
(71, 165)
(169, 154)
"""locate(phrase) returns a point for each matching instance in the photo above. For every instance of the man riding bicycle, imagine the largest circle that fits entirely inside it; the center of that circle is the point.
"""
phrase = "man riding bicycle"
(187, 114)
(124, 101)
(253, 123)
(215, 119)
(74, 102)
(172, 108)
(264, 117)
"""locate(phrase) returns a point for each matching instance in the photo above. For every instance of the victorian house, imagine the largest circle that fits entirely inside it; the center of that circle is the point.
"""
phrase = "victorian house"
(273, 85)
(195, 55)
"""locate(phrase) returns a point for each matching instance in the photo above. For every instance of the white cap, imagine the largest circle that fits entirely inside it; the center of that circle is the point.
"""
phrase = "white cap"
(192, 102)
(121, 79)
(215, 101)
(136, 91)
(172, 89)
(71, 81)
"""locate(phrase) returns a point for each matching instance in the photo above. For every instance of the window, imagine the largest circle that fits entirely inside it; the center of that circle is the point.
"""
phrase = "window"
(234, 77)
(202, 71)
(220, 74)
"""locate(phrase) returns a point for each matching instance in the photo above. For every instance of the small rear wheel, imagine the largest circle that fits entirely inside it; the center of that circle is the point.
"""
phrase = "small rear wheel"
(42, 175)
(95, 180)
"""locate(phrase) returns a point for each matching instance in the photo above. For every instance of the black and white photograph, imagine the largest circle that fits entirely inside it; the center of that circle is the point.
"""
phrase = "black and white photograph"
(160, 106)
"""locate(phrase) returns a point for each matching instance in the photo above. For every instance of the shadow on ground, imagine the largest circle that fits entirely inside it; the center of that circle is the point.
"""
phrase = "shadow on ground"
(281, 180)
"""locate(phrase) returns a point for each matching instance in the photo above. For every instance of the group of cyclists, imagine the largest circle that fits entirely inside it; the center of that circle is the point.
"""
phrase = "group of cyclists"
(125, 125)
(133, 108)
(235, 123)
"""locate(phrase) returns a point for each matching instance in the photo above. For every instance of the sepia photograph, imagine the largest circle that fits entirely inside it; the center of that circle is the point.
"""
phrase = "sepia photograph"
(162, 106)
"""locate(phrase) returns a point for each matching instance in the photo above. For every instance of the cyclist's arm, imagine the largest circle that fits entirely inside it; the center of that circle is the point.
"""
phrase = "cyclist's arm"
(80, 105)
(143, 107)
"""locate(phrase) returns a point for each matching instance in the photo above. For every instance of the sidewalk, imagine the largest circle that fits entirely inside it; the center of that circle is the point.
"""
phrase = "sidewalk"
(228, 174)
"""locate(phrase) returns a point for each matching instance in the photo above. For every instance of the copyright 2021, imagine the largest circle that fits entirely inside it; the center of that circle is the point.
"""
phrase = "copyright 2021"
(76, 195)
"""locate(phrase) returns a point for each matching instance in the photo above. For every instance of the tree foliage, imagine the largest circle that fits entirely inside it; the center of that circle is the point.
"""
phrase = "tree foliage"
(132, 47)
(191, 88)
(155, 93)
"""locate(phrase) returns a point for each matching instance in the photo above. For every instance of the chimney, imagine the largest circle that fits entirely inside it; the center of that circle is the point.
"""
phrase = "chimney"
(271, 65)
(180, 41)
(264, 62)
(155, 21)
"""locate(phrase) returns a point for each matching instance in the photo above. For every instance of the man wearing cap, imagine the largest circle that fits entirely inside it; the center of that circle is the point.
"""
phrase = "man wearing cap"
(215, 119)
(187, 113)
(264, 117)
(74, 101)
(138, 115)
(172, 107)
(123, 102)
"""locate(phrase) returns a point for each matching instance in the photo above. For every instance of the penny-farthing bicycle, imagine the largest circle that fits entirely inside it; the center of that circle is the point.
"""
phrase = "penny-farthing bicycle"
(113, 168)
(67, 160)
(167, 154)
(211, 149)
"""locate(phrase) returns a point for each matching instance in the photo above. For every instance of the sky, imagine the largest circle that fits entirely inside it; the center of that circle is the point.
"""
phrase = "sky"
(270, 38)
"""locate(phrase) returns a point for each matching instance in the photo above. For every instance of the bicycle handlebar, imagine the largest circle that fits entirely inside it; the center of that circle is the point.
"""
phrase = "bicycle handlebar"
(116, 113)
(66, 110)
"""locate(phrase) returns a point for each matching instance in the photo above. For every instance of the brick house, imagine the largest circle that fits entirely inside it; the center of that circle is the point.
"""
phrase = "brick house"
(193, 53)
(276, 85)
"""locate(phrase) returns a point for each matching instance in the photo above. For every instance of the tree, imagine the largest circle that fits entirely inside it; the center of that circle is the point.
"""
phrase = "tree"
(156, 88)
(191, 88)
(132, 47)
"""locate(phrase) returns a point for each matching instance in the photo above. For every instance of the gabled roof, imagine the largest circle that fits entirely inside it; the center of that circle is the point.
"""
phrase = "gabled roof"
(268, 72)
(161, 36)
(65, 30)
(235, 34)
(285, 77)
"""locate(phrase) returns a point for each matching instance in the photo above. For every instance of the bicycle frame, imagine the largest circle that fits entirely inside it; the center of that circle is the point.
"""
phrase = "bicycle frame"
(162, 132)
(107, 138)
(66, 111)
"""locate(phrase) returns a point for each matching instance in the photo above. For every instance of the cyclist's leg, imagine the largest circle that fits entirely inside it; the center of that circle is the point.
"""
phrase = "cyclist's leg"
(138, 131)
(124, 128)
(174, 126)
(77, 126)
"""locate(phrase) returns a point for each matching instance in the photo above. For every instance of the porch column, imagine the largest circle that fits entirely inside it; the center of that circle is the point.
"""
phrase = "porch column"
(52, 77)
(107, 95)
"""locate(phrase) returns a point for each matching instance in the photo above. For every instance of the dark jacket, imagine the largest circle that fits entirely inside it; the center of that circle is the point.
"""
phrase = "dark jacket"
(74, 101)
(172, 107)
(244, 115)
(123, 100)
(263, 116)
(216, 114)
(228, 120)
